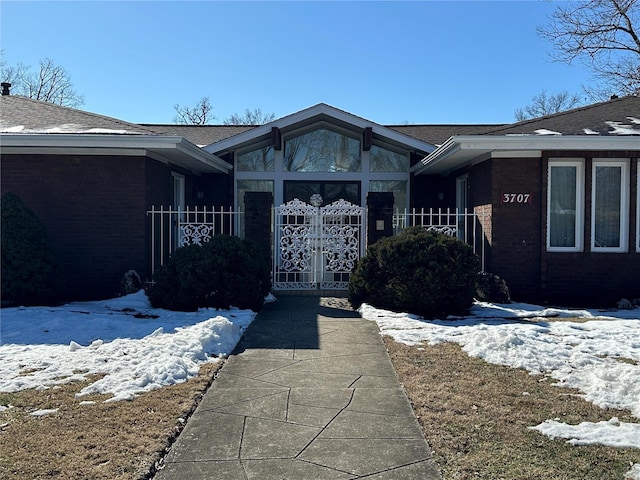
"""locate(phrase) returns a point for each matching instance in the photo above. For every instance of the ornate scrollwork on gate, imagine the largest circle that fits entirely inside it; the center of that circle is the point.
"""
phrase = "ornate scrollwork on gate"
(341, 224)
(316, 247)
(341, 247)
(295, 250)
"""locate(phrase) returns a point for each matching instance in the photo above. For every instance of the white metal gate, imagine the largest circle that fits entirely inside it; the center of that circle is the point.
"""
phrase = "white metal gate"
(316, 247)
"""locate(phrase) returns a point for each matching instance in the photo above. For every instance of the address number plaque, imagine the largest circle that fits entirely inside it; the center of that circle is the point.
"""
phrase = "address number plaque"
(517, 198)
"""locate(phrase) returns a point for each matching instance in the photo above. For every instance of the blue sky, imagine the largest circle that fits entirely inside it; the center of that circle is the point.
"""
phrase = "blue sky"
(389, 62)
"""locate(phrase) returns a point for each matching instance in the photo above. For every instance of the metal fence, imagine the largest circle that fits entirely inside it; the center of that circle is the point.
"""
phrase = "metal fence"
(174, 228)
(468, 226)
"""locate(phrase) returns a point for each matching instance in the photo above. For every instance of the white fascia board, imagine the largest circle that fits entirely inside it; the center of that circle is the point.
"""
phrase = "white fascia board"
(176, 148)
(460, 149)
(321, 109)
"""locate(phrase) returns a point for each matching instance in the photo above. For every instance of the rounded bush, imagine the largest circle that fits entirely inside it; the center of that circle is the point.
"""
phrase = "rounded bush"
(417, 272)
(30, 270)
(225, 271)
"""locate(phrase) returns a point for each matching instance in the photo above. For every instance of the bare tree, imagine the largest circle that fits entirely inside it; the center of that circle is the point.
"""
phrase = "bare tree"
(200, 114)
(51, 83)
(250, 117)
(546, 104)
(604, 34)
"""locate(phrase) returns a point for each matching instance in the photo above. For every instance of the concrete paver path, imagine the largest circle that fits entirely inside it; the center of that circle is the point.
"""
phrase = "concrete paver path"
(309, 394)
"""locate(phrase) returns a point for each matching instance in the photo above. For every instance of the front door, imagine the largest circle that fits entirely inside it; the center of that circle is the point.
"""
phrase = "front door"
(316, 247)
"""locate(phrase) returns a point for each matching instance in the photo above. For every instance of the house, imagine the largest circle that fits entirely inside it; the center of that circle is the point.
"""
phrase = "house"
(550, 204)
(91, 179)
(563, 195)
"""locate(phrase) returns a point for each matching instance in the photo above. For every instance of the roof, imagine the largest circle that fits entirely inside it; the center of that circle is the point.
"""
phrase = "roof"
(312, 115)
(606, 126)
(619, 116)
(203, 135)
(438, 134)
(200, 135)
(24, 115)
(32, 126)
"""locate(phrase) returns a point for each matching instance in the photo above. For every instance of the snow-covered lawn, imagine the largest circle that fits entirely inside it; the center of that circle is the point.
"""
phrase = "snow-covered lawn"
(600, 356)
(138, 348)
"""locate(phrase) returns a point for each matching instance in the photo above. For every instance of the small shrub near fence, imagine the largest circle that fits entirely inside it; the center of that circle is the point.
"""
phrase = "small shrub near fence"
(223, 272)
(417, 271)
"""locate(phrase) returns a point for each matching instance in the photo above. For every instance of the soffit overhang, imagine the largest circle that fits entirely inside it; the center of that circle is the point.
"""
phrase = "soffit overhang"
(461, 150)
(167, 149)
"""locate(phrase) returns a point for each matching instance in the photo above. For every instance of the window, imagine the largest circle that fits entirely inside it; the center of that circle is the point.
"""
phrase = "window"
(609, 206)
(322, 150)
(399, 189)
(258, 160)
(565, 214)
(638, 208)
(178, 182)
(462, 204)
(385, 160)
(249, 186)
(329, 191)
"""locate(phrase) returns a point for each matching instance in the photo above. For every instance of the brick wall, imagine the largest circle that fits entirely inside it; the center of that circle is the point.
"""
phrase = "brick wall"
(516, 225)
(94, 209)
(592, 278)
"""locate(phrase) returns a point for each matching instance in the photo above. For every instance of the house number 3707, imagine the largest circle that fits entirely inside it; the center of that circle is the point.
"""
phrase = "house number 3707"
(516, 198)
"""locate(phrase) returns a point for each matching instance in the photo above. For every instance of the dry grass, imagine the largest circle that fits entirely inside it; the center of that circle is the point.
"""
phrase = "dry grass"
(119, 440)
(475, 417)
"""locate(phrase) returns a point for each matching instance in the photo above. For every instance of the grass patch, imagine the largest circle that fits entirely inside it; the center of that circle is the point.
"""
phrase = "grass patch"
(118, 440)
(475, 417)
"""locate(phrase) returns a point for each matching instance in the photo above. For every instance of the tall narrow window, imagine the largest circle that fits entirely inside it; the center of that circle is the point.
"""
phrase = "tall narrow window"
(610, 209)
(462, 204)
(564, 206)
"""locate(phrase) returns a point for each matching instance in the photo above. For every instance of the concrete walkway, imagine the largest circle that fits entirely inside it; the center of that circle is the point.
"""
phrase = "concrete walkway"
(310, 394)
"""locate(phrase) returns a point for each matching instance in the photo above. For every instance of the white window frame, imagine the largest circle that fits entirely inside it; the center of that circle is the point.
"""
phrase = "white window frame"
(624, 204)
(178, 183)
(579, 227)
(462, 205)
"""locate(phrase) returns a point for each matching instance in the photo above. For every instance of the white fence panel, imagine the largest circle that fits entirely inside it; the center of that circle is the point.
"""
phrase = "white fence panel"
(174, 228)
(463, 224)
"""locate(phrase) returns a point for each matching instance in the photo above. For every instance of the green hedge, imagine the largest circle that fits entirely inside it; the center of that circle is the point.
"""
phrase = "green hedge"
(417, 272)
(30, 271)
(225, 271)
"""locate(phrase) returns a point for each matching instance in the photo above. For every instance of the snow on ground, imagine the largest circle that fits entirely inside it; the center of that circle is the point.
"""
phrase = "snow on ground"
(600, 357)
(138, 348)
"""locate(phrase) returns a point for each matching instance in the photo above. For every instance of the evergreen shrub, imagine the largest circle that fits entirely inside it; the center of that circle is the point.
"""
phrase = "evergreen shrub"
(225, 271)
(419, 272)
(30, 271)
